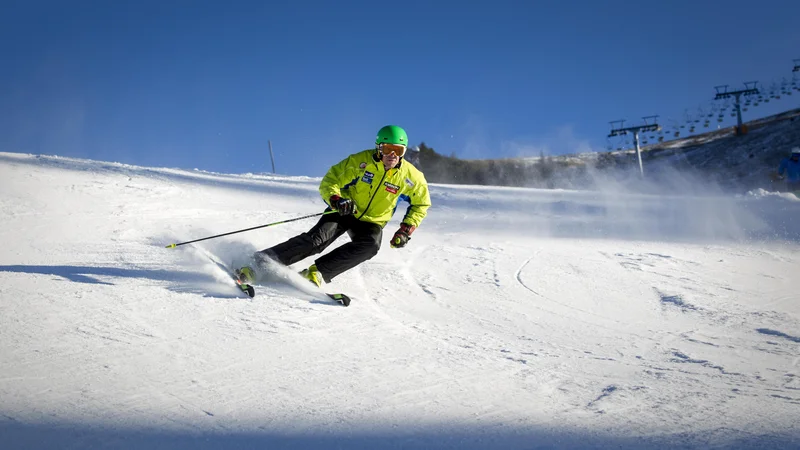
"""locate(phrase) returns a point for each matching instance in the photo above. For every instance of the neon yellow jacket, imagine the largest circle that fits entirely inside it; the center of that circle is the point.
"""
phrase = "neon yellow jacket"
(375, 192)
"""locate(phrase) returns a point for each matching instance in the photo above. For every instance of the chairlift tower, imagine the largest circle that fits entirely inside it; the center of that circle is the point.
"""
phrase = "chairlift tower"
(723, 93)
(620, 130)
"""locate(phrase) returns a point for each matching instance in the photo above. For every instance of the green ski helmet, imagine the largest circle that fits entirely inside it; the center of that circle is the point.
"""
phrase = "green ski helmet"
(391, 134)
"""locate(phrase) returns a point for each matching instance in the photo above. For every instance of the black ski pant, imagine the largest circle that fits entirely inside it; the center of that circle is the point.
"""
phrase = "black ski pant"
(365, 241)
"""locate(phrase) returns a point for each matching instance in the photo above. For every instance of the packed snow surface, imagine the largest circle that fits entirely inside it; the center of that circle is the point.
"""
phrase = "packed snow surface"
(514, 319)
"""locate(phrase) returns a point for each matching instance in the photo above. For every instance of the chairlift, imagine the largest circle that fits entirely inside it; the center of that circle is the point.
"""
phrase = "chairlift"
(677, 134)
(661, 139)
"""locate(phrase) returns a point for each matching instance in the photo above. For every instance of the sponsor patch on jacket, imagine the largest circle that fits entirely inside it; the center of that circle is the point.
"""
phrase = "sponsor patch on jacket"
(409, 183)
(367, 178)
(363, 165)
(393, 188)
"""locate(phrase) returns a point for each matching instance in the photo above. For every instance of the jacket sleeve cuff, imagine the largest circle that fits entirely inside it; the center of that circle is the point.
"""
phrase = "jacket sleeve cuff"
(407, 229)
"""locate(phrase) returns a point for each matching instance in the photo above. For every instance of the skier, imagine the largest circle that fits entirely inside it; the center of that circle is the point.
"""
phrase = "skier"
(791, 166)
(364, 190)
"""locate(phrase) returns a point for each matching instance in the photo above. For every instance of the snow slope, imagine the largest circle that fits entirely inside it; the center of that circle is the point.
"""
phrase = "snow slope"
(515, 318)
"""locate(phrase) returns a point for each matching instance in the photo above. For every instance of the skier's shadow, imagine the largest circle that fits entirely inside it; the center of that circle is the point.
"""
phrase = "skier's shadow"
(178, 281)
(95, 275)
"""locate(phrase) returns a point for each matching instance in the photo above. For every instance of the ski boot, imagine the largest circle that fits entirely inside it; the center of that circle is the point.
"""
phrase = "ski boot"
(313, 275)
(246, 275)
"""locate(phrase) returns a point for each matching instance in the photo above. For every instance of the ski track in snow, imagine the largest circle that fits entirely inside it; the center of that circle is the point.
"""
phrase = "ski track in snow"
(489, 330)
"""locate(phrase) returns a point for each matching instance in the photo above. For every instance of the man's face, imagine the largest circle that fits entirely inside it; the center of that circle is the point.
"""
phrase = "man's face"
(390, 160)
(390, 154)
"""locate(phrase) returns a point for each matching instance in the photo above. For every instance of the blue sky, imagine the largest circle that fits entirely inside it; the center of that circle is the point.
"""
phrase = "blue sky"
(202, 84)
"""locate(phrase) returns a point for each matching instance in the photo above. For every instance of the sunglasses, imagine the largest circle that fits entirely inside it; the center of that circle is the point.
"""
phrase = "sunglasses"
(397, 149)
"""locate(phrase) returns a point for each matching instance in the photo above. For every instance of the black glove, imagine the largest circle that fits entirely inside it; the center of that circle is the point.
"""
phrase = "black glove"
(344, 206)
(402, 235)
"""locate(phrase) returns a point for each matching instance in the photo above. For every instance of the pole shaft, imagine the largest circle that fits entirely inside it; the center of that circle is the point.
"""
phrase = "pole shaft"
(251, 228)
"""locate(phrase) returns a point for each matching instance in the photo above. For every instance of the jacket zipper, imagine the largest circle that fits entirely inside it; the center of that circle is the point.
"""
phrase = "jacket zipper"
(374, 194)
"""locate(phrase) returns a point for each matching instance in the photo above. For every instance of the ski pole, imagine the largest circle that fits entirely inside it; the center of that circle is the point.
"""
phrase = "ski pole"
(253, 228)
